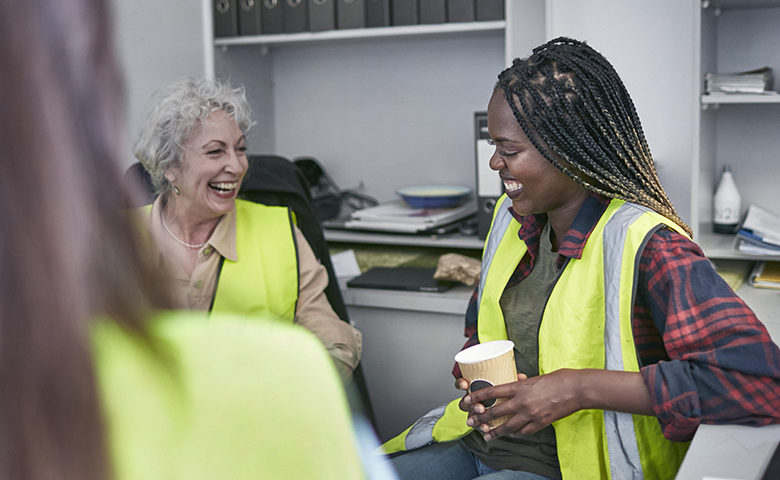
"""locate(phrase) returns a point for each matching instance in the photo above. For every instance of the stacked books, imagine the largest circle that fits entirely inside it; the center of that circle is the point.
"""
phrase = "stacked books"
(766, 275)
(753, 81)
(397, 216)
(759, 232)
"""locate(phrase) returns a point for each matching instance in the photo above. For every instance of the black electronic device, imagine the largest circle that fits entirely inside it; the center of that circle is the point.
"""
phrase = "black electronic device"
(772, 469)
(225, 18)
(415, 279)
(327, 197)
(489, 184)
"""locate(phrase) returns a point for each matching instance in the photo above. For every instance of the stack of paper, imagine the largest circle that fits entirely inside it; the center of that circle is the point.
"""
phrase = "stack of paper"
(759, 232)
(397, 216)
(754, 81)
(766, 275)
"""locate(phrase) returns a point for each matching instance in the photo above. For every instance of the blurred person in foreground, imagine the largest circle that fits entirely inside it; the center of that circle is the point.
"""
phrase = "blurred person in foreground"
(225, 254)
(97, 378)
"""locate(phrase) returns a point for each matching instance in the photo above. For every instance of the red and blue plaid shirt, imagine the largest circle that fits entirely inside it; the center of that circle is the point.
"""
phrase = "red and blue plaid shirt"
(704, 355)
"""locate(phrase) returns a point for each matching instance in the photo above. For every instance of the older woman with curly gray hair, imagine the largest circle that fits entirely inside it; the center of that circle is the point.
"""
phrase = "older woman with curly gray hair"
(225, 253)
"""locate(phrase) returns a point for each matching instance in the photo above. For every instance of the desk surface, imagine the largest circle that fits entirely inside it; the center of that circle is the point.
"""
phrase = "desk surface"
(729, 452)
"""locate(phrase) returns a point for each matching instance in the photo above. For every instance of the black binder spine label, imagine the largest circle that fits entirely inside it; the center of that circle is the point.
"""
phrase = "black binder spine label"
(225, 18)
(322, 15)
(249, 17)
(377, 13)
(350, 14)
(489, 10)
(433, 11)
(404, 12)
(295, 16)
(272, 16)
(460, 10)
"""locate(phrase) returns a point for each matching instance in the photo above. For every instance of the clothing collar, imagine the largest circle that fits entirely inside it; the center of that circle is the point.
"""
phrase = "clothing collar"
(573, 242)
(222, 239)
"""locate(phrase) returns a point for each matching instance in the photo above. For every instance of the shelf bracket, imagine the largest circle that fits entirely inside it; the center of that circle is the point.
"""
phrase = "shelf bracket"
(705, 4)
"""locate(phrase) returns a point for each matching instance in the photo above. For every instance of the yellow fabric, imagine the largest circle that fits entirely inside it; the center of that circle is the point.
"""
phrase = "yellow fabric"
(265, 277)
(235, 398)
(491, 325)
(452, 424)
(455, 427)
(571, 335)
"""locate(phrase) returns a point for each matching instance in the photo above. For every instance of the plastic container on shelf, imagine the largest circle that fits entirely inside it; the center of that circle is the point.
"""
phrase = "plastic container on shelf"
(727, 204)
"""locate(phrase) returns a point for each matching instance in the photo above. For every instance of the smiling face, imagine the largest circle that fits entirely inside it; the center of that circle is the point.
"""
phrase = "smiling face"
(533, 183)
(213, 163)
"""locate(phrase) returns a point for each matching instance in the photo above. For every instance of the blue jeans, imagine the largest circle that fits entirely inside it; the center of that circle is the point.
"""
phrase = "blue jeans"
(451, 461)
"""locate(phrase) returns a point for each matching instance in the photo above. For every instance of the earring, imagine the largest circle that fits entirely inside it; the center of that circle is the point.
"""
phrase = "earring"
(176, 190)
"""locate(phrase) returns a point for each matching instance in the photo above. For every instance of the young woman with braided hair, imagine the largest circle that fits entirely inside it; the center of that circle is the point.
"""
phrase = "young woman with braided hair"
(625, 337)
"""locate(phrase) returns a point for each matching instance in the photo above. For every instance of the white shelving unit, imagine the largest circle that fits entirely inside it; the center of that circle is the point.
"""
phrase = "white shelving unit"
(737, 98)
(453, 240)
(356, 34)
(738, 130)
(382, 107)
(378, 107)
(393, 106)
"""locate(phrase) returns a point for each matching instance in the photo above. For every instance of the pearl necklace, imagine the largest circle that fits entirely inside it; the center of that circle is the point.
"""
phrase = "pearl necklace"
(188, 245)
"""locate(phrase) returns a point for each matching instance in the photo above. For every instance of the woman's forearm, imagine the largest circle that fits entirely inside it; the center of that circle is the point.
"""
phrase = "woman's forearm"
(614, 390)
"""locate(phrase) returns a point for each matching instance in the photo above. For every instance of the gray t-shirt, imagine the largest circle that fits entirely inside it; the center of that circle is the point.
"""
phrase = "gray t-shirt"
(522, 306)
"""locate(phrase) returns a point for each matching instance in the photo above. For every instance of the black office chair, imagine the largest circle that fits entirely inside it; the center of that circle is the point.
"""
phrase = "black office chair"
(275, 180)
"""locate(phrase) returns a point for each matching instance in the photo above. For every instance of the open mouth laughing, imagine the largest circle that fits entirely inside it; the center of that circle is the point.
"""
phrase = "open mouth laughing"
(511, 186)
(224, 188)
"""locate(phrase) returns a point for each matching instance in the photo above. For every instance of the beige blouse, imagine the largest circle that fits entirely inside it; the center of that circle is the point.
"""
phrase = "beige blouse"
(342, 340)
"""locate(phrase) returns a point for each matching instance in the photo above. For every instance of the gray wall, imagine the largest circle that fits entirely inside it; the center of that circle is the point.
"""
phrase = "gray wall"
(158, 42)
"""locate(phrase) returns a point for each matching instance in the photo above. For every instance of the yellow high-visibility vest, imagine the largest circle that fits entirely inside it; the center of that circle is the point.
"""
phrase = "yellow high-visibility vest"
(264, 280)
(586, 323)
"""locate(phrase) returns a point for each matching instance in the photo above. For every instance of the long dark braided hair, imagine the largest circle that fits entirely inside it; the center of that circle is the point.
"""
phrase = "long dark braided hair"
(574, 108)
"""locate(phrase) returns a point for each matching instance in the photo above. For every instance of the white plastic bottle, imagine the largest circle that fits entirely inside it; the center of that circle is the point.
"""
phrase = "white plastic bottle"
(726, 204)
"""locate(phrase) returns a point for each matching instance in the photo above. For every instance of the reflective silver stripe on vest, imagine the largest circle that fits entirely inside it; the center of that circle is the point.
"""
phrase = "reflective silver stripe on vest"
(500, 223)
(621, 437)
(421, 433)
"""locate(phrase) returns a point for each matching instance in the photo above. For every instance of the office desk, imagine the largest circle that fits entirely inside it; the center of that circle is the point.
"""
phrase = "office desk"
(409, 341)
(410, 338)
(734, 451)
(729, 452)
